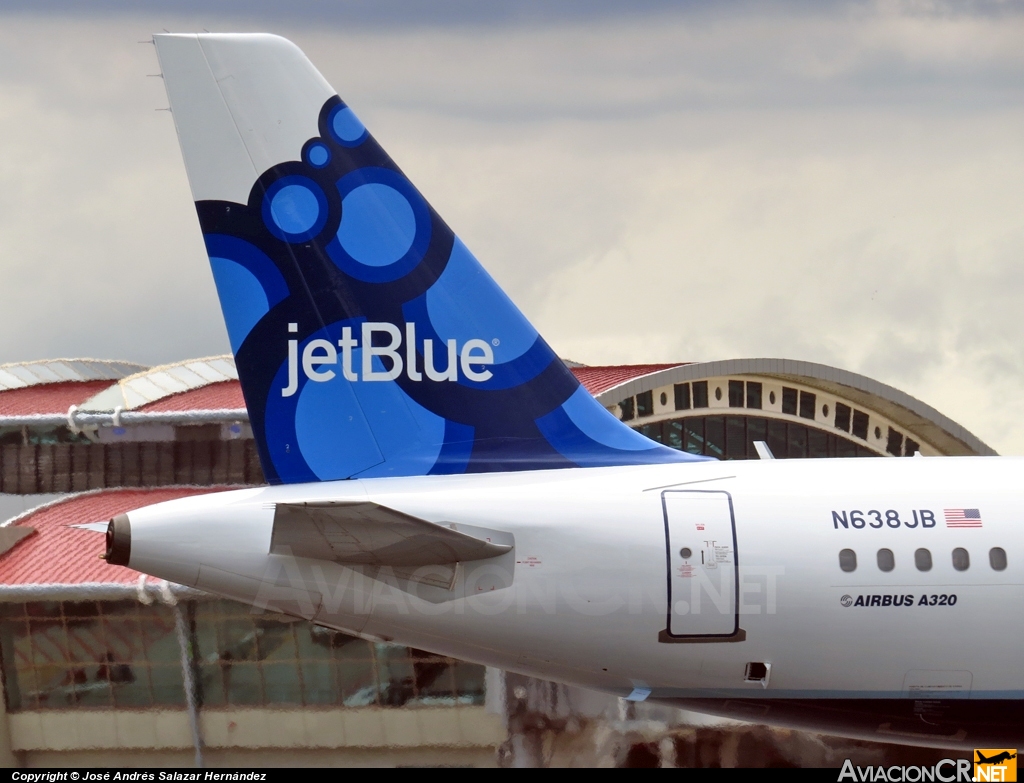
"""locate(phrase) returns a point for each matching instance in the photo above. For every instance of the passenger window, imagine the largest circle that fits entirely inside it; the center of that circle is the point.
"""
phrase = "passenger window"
(735, 394)
(923, 560)
(894, 445)
(682, 392)
(789, 398)
(645, 403)
(842, 417)
(753, 394)
(700, 394)
(848, 560)
(961, 560)
(860, 424)
(997, 558)
(808, 403)
(886, 560)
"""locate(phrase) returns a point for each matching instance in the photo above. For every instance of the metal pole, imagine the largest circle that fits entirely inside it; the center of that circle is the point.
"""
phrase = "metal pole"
(76, 419)
(188, 680)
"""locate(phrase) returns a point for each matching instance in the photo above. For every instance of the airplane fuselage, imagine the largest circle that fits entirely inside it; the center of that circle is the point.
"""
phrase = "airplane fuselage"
(872, 597)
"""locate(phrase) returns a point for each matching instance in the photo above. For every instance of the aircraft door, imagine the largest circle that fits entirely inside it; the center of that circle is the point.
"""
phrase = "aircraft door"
(703, 579)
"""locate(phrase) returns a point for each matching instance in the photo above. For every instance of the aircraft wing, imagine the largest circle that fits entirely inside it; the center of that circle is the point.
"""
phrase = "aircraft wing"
(364, 533)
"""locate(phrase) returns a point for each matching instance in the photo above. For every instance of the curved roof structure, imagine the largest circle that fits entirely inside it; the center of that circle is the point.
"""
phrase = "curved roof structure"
(896, 407)
(223, 395)
(51, 398)
(158, 383)
(22, 375)
(597, 380)
(84, 392)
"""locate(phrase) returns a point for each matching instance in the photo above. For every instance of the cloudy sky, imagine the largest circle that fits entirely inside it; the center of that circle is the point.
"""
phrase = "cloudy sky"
(650, 181)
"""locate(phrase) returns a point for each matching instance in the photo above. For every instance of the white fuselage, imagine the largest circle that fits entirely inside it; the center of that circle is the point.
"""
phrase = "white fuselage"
(584, 595)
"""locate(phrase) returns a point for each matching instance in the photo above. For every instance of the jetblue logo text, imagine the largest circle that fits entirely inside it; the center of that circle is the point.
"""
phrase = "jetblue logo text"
(322, 360)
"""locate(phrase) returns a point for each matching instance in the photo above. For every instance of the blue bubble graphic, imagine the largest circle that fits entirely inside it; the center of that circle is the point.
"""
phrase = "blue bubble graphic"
(295, 209)
(377, 225)
(332, 433)
(318, 155)
(408, 435)
(253, 259)
(385, 240)
(346, 125)
(242, 299)
(465, 303)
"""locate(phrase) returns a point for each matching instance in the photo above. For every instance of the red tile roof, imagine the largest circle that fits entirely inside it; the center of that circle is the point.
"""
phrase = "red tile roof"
(48, 398)
(62, 555)
(227, 395)
(598, 379)
(213, 397)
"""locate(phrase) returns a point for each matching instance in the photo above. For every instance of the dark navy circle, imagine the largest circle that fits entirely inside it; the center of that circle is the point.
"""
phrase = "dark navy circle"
(294, 208)
(375, 265)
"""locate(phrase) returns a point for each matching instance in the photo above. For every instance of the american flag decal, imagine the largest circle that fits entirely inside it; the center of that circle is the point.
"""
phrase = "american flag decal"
(963, 517)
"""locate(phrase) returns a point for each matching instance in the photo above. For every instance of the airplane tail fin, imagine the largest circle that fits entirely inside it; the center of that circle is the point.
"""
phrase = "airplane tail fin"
(369, 341)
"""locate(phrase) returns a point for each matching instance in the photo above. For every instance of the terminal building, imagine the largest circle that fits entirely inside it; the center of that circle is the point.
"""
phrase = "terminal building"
(99, 661)
(800, 409)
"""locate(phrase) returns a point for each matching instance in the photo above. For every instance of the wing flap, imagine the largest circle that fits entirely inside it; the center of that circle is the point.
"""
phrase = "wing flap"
(366, 533)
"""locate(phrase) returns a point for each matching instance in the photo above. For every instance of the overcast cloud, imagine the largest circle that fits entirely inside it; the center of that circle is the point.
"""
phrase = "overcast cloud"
(841, 184)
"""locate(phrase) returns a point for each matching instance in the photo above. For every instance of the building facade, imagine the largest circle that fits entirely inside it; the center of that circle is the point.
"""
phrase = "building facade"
(800, 409)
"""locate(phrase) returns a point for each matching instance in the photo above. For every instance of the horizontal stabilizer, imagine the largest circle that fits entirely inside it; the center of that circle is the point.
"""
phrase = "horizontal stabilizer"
(365, 533)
